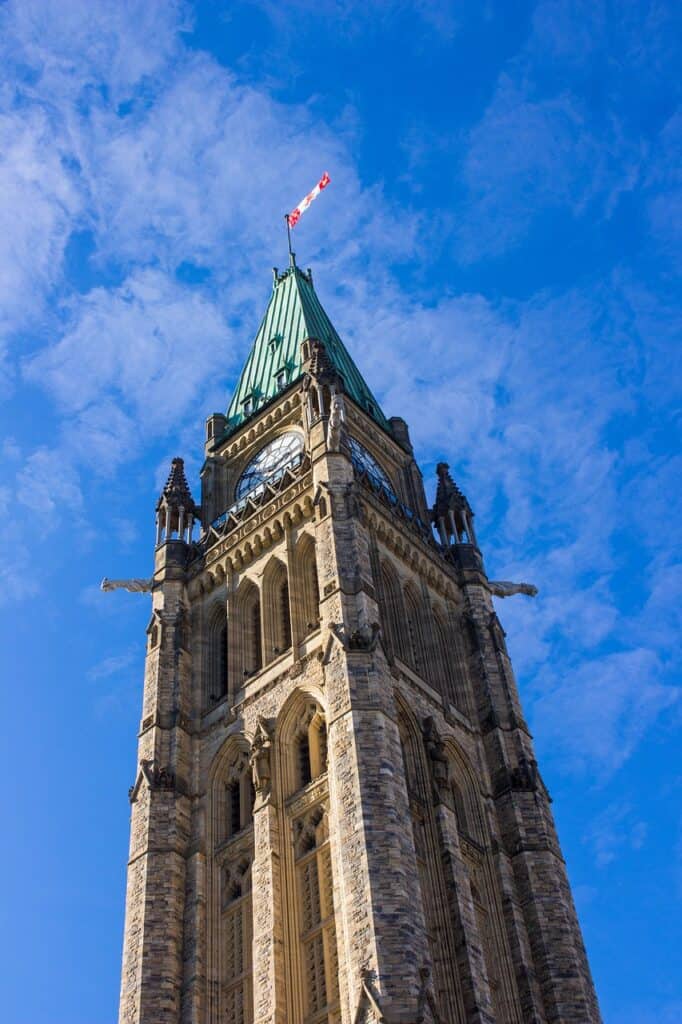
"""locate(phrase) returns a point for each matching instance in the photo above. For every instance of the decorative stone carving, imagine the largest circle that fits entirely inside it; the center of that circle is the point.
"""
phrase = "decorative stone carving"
(156, 777)
(368, 1000)
(504, 588)
(364, 638)
(426, 999)
(337, 420)
(260, 761)
(525, 775)
(134, 586)
(435, 748)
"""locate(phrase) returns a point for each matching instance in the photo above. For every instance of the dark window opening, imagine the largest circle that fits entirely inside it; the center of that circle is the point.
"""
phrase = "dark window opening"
(285, 617)
(304, 767)
(234, 808)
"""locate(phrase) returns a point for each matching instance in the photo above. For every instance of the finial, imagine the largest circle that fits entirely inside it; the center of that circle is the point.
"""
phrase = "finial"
(310, 274)
(275, 275)
(292, 259)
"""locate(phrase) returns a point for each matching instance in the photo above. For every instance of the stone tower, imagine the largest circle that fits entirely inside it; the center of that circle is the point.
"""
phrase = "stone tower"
(337, 814)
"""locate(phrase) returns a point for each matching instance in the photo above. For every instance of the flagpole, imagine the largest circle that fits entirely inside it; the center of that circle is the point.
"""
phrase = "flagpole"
(286, 217)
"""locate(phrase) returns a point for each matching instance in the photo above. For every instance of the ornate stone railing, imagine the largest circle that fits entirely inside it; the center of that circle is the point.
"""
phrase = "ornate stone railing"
(259, 495)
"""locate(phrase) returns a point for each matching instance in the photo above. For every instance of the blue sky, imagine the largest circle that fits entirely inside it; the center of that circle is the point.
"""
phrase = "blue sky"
(498, 250)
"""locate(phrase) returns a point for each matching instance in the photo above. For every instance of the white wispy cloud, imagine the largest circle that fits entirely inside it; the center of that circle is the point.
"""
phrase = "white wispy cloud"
(167, 157)
(614, 829)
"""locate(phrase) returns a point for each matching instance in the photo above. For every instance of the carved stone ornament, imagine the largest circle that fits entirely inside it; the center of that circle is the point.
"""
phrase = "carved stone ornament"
(368, 1000)
(337, 419)
(134, 586)
(260, 761)
(364, 638)
(156, 777)
(435, 748)
(426, 999)
(504, 588)
(525, 776)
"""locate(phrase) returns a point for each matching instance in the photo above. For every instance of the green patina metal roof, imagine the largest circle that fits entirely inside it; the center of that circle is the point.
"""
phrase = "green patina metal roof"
(294, 314)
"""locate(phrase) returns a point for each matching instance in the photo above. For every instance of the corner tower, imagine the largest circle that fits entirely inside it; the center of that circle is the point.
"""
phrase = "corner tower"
(337, 816)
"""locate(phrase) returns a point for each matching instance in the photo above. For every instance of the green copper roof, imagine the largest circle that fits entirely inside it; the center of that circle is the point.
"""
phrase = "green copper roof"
(294, 314)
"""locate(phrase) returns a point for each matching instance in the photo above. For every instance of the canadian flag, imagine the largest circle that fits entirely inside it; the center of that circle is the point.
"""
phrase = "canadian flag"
(295, 215)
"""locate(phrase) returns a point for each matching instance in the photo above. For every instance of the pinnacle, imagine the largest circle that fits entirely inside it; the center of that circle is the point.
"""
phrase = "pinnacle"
(448, 494)
(176, 492)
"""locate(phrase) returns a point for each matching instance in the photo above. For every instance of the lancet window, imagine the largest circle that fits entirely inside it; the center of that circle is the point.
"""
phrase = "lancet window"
(230, 914)
(277, 632)
(248, 623)
(414, 629)
(418, 791)
(310, 746)
(310, 593)
(217, 654)
(313, 958)
(473, 847)
(317, 932)
(392, 613)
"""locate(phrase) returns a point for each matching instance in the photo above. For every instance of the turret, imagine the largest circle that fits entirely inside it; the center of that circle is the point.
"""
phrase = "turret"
(175, 509)
(451, 514)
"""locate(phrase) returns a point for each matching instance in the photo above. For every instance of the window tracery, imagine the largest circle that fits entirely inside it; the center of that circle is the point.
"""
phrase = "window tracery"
(310, 746)
(313, 958)
(470, 826)
(317, 930)
(230, 917)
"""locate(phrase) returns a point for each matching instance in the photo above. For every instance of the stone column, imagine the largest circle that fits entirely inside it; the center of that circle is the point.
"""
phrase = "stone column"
(151, 983)
(269, 999)
(528, 837)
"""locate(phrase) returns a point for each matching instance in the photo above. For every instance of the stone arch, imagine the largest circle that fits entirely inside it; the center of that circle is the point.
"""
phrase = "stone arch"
(467, 799)
(307, 592)
(216, 653)
(301, 738)
(248, 630)
(277, 633)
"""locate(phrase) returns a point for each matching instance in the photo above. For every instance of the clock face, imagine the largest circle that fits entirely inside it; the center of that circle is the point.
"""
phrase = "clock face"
(368, 464)
(269, 464)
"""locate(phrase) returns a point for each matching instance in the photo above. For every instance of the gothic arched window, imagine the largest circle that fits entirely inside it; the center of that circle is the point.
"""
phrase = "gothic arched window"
(429, 875)
(277, 631)
(392, 612)
(310, 746)
(302, 742)
(317, 930)
(414, 632)
(310, 593)
(249, 629)
(230, 905)
(472, 841)
(217, 653)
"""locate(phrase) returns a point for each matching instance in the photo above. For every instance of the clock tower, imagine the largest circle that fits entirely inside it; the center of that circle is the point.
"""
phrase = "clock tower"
(337, 814)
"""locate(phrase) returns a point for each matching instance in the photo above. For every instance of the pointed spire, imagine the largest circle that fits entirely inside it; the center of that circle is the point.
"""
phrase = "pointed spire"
(276, 361)
(452, 514)
(175, 509)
